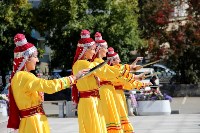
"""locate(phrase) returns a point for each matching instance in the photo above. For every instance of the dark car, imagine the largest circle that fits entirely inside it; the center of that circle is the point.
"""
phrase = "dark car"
(165, 74)
(5, 89)
(61, 95)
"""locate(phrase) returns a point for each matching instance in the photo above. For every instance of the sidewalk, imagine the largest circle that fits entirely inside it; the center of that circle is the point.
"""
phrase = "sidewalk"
(180, 123)
(188, 121)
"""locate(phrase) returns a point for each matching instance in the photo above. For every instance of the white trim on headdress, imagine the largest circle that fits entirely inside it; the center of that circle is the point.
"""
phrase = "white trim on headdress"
(21, 43)
(111, 52)
(85, 36)
(111, 58)
(99, 45)
(86, 44)
(85, 47)
(26, 53)
(98, 38)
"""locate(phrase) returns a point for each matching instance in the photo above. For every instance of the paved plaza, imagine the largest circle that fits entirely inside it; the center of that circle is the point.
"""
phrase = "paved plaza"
(187, 121)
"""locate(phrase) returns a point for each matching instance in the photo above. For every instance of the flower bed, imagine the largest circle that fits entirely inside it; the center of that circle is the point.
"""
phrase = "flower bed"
(153, 102)
(157, 107)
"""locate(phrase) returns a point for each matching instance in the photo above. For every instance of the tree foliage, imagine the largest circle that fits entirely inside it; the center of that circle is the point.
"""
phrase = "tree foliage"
(183, 36)
(14, 18)
(62, 22)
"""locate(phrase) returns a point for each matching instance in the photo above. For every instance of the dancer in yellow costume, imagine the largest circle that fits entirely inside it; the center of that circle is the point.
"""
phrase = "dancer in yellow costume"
(26, 112)
(89, 110)
(119, 87)
(107, 90)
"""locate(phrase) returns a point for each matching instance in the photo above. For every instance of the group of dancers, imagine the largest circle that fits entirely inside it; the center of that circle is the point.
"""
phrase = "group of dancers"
(100, 96)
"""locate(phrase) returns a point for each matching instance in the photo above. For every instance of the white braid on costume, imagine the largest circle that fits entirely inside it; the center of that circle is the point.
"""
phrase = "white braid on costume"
(110, 59)
(82, 53)
(22, 64)
(97, 49)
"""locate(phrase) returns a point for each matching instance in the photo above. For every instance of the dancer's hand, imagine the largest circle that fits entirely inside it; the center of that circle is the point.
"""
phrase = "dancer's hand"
(142, 76)
(80, 73)
(135, 67)
(137, 59)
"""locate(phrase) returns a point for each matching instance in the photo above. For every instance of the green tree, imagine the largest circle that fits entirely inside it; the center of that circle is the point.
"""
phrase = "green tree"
(118, 21)
(14, 18)
(62, 22)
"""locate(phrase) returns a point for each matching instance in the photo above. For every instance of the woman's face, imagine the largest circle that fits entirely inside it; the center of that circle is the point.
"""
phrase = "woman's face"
(116, 60)
(102, 51)
(31, 62)
(89, 53)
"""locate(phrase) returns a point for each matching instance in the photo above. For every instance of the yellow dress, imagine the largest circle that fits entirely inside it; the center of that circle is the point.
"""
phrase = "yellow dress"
(121, 101)
(107, 101)
(90, 116)
(26, 87)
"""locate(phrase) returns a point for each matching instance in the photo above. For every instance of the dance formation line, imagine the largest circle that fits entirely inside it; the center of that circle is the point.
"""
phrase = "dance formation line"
(97, 88)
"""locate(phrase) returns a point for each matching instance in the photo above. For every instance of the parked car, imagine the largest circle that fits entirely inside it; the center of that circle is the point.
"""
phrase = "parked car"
(165, 74)
(63, 94)
(58, 73)
(5, 89)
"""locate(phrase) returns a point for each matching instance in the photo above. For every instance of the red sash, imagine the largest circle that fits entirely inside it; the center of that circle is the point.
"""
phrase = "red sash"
(87, 94)
(119, 87)
(32, 111)
(106, 83)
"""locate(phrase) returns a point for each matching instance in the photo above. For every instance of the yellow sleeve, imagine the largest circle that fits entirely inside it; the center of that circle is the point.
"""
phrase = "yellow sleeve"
(128, 79)
(132, 84)
(32, 83)
(105, 72)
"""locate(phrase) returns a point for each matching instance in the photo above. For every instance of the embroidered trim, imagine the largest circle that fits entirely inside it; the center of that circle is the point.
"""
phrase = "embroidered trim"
(22, 42)
(64, 82)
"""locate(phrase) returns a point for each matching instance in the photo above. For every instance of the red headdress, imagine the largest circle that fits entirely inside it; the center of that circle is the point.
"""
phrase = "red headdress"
(22, 52)
(111, 55)
(83, 44)
(99, 42)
